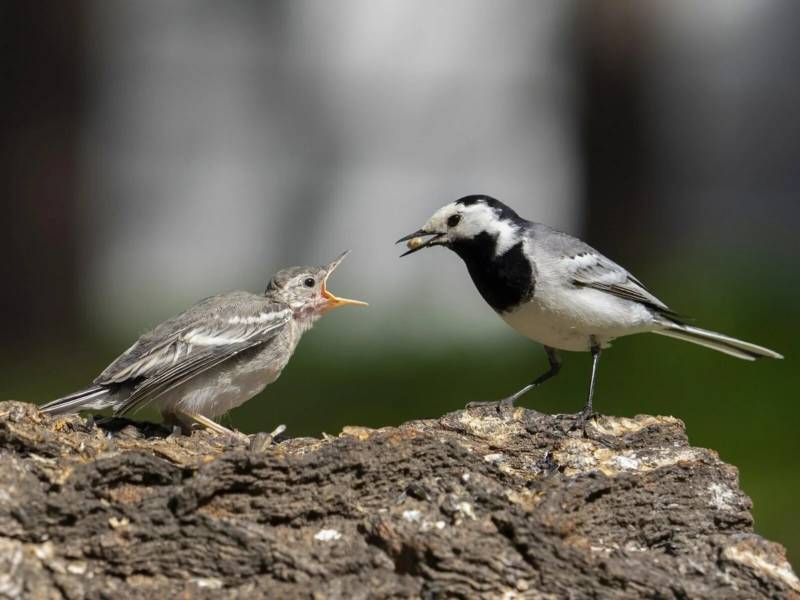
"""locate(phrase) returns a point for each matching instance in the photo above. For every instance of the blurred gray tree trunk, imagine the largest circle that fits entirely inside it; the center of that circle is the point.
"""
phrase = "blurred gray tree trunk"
(41, 108)
(614, 148)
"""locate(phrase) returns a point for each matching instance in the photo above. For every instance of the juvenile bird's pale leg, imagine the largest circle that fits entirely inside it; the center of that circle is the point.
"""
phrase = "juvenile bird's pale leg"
(187, 417)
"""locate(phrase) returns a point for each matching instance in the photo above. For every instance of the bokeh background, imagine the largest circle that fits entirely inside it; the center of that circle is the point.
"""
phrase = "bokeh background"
(155, 153)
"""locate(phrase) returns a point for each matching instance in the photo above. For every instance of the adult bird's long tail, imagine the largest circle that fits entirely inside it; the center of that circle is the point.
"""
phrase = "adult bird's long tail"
(93, 398)
(716, 341)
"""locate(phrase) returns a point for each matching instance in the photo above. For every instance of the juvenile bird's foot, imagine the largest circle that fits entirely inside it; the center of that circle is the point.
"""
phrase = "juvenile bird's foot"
(263, 440)
(187, 421)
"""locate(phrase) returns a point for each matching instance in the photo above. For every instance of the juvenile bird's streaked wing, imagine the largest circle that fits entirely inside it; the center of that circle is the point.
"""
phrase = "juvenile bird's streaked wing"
(205, 348)
(157, 347)
(188, 345)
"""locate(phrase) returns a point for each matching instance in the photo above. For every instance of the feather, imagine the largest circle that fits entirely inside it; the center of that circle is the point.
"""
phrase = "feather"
(95, 398)
(203, 348)
(595, 271)
(177, 339)
(717, 341)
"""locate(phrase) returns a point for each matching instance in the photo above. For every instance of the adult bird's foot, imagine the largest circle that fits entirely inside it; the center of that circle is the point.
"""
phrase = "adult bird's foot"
(502, 406)
(587, 414)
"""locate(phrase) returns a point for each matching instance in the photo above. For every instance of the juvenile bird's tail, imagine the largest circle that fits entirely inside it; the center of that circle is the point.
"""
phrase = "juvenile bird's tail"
(93, 398)
(716, 341)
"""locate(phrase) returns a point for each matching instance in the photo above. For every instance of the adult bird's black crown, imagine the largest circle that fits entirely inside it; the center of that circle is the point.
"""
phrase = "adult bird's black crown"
(503, 211)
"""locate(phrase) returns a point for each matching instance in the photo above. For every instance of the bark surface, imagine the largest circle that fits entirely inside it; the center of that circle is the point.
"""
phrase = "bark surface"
(477, 504)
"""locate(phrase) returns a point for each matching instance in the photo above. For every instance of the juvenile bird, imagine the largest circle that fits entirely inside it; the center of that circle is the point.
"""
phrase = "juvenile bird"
(214, 356)
(555, 289)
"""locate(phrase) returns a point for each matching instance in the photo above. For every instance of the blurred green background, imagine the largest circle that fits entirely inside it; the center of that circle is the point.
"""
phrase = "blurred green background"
(153, 154)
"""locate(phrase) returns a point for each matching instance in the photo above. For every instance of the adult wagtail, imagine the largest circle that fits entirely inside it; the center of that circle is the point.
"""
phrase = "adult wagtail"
(214, 356)
(555, 289)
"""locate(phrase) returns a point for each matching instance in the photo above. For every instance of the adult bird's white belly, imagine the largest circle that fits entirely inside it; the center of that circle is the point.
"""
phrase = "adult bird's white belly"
(568, 319)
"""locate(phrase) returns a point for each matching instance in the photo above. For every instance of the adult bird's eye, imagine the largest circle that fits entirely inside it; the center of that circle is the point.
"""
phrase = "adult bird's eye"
(309, 282)
(453, 220)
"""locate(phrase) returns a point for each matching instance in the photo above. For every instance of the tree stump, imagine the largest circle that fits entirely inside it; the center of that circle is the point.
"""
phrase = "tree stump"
(476, 504)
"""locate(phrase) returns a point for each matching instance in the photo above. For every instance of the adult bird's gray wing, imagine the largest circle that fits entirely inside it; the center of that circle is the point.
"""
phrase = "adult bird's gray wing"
(209, 333)
(593, 270)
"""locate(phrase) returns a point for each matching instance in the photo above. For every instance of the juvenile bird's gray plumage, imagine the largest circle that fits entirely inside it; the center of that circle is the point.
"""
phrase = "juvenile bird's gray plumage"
(214, 356)
(555, 289)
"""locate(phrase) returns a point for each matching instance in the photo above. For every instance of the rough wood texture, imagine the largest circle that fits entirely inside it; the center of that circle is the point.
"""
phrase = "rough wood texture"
(472, 505)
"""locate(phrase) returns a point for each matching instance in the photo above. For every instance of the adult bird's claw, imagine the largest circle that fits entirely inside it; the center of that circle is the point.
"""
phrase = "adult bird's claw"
(502, 406)
(586, 415)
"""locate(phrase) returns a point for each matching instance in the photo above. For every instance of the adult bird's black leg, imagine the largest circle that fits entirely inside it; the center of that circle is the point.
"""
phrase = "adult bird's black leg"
(587, 411)
(555, 366)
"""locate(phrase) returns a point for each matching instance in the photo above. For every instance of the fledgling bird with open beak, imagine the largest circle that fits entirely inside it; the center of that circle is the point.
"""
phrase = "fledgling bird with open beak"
(214, 356)
(555, 289)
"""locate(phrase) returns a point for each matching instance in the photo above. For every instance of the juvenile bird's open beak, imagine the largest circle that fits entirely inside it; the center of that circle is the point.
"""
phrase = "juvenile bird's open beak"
(416, 242)
(335, 301)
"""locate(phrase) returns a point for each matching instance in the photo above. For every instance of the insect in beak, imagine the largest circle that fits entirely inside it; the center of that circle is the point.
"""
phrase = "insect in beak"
(415, 241)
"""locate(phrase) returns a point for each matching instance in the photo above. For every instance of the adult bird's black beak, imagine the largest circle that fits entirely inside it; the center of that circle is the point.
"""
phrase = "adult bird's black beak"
(419, 233)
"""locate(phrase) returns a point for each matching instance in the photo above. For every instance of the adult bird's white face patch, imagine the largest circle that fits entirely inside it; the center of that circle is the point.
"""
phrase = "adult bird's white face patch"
(458, 222)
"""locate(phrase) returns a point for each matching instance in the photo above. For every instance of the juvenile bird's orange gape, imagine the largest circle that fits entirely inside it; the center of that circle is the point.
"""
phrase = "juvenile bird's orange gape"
(216, 355)
(555, 289)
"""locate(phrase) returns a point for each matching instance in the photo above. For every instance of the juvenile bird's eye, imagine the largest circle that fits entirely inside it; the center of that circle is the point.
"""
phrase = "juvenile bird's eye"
(453, 220)
(309, 282)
